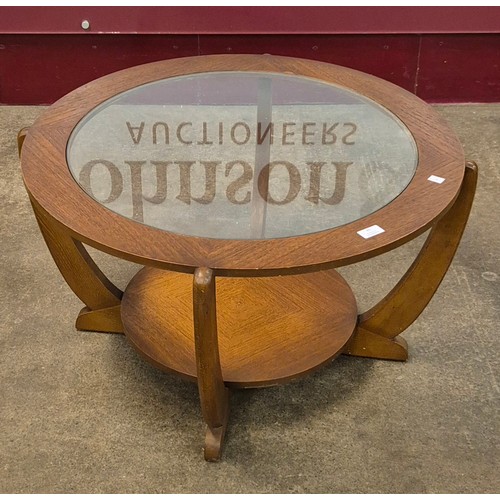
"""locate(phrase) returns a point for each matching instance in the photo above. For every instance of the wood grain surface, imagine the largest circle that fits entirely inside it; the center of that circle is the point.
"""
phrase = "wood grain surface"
(405, 302)
(78, 268)
(377, 333)
(214, 396)
(270, 330)
(50, 183)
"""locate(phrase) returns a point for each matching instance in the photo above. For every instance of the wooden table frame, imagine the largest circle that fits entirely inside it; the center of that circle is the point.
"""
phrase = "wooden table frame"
(67, 222)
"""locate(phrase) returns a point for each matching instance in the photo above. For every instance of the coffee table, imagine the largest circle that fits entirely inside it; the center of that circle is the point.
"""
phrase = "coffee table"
(241, 182)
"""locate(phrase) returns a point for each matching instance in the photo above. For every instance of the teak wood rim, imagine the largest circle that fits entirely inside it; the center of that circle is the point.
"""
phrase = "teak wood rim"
(51, 185)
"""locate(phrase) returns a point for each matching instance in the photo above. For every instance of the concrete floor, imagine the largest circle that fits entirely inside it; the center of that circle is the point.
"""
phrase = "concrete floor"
(82, 413)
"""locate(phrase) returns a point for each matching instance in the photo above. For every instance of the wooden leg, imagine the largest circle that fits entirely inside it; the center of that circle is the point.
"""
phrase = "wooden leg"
(214, 396)
(378, 328)
(21, 135)
(90, 285)
(105, 320)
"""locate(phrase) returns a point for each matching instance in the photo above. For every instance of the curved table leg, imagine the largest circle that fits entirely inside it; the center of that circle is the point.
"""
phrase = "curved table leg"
(90, 285)
(214, 395)
(21, 135)
(378, 328)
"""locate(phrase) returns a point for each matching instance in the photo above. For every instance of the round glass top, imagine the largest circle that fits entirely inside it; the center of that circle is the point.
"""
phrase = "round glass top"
(242, 155)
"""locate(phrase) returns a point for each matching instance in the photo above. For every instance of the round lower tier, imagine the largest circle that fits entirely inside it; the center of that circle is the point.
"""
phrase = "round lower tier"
(271, 330)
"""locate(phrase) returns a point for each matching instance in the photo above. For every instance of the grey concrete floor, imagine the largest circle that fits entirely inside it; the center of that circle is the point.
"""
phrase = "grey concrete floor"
(82, 413)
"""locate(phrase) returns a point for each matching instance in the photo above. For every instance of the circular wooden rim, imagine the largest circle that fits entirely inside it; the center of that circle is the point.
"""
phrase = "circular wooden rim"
(51, 185)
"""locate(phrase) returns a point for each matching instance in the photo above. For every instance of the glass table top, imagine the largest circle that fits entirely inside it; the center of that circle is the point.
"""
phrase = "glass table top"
(242, 155)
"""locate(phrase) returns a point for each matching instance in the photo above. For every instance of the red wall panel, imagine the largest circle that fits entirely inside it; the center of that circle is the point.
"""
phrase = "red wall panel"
(250, 20)
(459, 68)
(391, 57)
(39, 69)
(443, 54)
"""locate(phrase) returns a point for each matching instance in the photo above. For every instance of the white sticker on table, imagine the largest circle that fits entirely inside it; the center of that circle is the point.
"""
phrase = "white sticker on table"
(436, 179)
(371, 231)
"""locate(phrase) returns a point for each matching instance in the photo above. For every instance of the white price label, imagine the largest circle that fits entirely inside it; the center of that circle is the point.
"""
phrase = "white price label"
(436, 179)
(371, 231)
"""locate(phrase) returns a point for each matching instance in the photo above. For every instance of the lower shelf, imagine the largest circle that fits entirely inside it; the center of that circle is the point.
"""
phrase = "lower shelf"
(271, 330)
